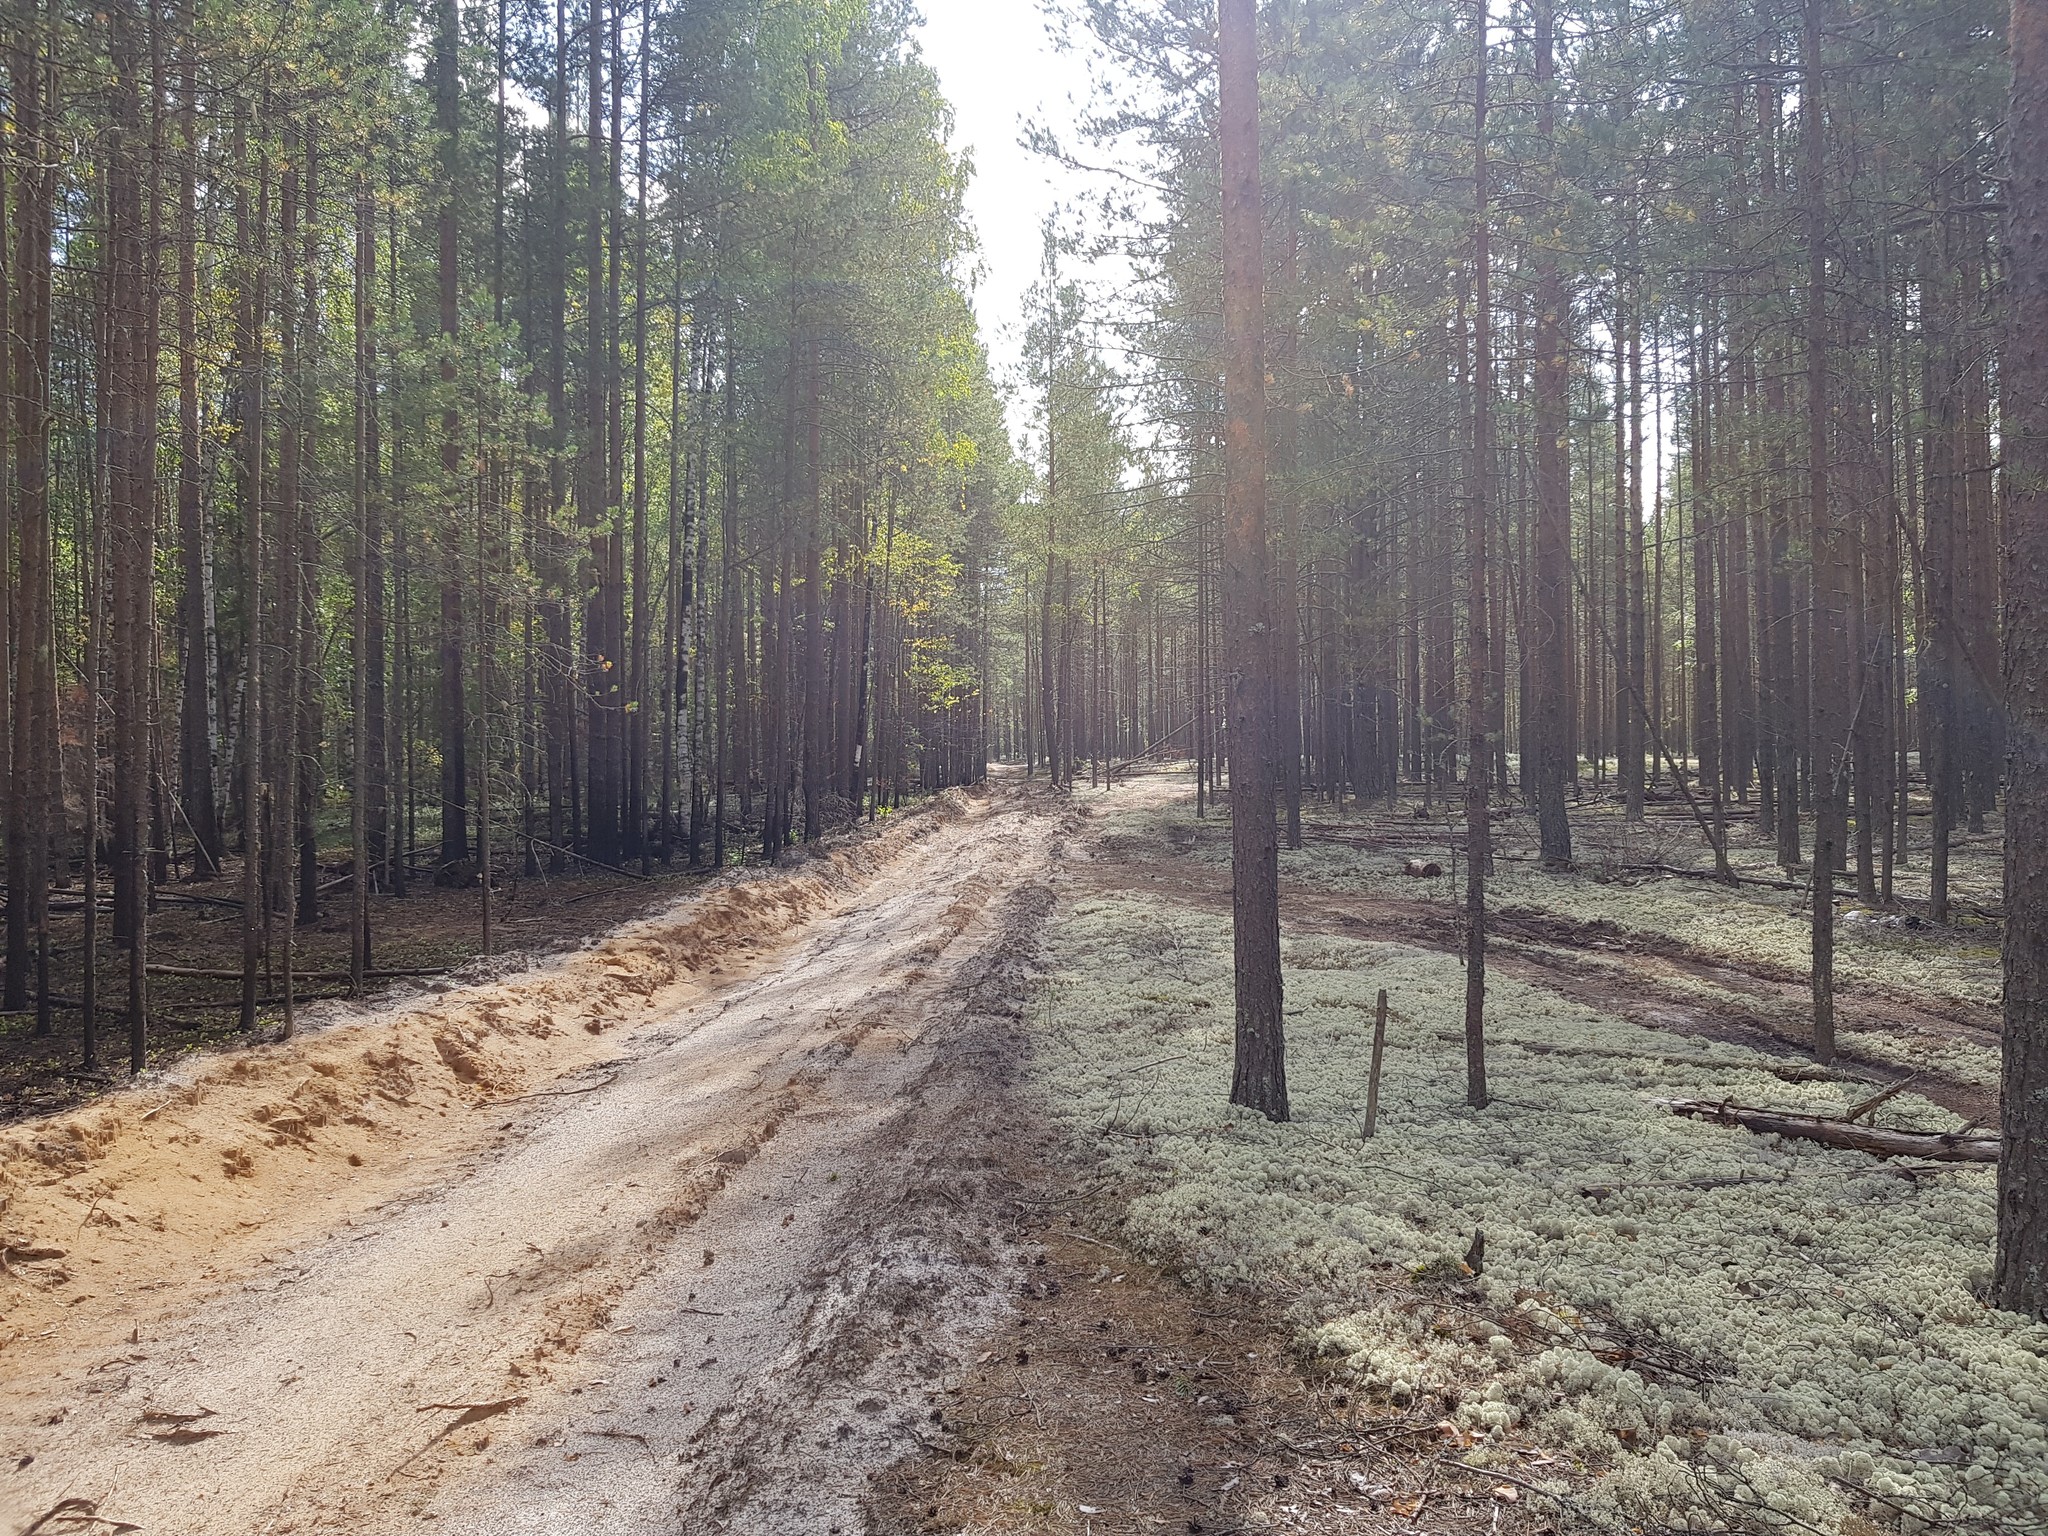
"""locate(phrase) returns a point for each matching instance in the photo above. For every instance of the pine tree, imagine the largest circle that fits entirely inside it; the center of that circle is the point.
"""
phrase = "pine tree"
(2022, 1277)
(1260, 1081)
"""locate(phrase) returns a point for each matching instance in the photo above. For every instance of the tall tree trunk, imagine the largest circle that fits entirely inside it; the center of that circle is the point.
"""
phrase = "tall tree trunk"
(454, 720)
(130, 386)
(362, 743)
(287, 672)
(28, 801)
(558, 665)
(1628, 752)
(1706, 503)
(1260, 1080)
(1287, 568)
(376, 662)
(732, 645)
(308, 682)
(2021, 1283)
(198, 794)
(639, 692)
(1828, 687)
(1478, 647)
(251, 310)
(1552, 656)
(603, 664)
(812, 720)
(1939, 645)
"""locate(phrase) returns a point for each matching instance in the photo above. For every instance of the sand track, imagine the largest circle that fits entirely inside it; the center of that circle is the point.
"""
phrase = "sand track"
(621, 1243)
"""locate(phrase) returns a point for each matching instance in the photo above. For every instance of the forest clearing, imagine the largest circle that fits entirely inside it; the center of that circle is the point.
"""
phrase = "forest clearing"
(851, 768)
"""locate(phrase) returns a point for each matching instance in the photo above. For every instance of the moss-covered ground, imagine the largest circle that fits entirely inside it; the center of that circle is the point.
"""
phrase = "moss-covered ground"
(1683, 1326)
(1622, 885)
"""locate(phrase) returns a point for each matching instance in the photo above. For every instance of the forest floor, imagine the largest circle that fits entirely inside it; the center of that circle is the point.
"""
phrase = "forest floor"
(1668, 1325)
(876, 1193)
(197, 932)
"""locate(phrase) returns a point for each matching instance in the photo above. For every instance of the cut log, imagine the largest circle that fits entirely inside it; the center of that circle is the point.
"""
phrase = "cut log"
(1878, 1141)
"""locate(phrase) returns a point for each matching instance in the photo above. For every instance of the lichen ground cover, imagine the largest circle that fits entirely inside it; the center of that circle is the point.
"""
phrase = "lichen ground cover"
(1748, 925)
(1815, 1347)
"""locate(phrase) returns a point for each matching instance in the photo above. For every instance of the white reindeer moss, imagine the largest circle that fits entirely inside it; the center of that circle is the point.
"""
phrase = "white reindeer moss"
(1747, 923)
(1726, 1321)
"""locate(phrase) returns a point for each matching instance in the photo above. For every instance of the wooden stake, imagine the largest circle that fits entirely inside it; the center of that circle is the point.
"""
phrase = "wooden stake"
(1379, 1051)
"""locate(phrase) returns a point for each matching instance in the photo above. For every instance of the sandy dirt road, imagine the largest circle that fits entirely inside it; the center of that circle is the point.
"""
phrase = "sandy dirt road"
(711, 1283)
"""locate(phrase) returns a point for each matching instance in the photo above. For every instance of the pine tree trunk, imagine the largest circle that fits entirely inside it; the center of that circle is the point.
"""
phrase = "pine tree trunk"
(16, 56)
(251, 305)
(1260, 1080)
(1939, 648)
(308, 682)
(557, 661)
(603, 673)
(1287, 572)
(2021, 1283)
(362, 745)
(198, 793)
(639, 691)
(376, 662)
(129, 383)
(28, 815)
(1478, 647)
(1552, 638)
(812, 703)
(1828, 687)
(1628, 752)
(1706, 647)
(454, 722)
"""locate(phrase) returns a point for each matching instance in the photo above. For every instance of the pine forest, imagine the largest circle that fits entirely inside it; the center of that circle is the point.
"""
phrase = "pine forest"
(1217, 765)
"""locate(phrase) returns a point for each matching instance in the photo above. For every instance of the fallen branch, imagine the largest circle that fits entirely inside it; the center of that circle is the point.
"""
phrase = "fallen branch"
(174, 1416)
(584, 858)
(1129, 763)
(161, 897)
(1716, 830)
(469, 1413)
(1878, 1141)
(1882, 1096)
(1497, 1475)
(79, 1510)
(1729, 1181)
(552, 1093)
(619, 1434)
(1798, 887)
(201, 973)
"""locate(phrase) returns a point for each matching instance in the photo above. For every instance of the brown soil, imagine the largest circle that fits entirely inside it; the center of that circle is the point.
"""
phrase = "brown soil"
(1119, 1401)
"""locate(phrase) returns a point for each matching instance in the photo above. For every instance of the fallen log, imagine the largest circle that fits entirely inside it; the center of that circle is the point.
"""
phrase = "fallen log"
(1129, 763)
(202, 973)
(1878, 1141)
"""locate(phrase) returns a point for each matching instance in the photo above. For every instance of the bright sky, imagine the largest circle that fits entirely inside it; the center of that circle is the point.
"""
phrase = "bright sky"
(999, 69)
